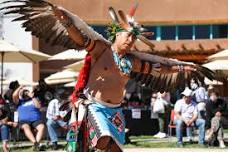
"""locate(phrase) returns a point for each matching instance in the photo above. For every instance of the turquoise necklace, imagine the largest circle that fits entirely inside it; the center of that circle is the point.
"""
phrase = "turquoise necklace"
(123, 63)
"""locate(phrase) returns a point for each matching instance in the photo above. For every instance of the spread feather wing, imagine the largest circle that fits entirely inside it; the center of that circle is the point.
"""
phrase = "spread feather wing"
(166, 81)
(39, 18)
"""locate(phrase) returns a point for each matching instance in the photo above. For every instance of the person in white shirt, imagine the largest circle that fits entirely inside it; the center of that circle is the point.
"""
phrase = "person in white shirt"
(186, 114)
(200, 97)
(54, 120)
(163, 99)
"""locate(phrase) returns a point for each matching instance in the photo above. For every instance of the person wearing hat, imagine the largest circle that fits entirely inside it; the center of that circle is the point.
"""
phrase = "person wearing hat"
(186, 115)
(108, 65)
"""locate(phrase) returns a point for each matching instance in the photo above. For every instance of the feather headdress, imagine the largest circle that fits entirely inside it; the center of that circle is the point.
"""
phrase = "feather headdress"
(127, 23)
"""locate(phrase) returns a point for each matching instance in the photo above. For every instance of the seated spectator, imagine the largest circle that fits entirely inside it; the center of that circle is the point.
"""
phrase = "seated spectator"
(29, 115)
(215, 114)
(54, 121)
(186, 114)
(4, 118)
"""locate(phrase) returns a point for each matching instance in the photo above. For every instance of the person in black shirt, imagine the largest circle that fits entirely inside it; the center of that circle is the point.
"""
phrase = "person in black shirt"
(215, 114)
(4, 118)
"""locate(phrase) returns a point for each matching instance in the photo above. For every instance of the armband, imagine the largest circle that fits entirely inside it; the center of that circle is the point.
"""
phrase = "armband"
(90, 45)
(67, 23)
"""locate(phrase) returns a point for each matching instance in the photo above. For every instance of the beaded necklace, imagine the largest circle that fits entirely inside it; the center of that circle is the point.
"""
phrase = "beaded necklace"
(123, 63)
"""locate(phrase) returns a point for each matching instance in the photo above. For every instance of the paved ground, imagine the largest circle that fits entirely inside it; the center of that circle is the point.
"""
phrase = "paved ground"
(174, 150)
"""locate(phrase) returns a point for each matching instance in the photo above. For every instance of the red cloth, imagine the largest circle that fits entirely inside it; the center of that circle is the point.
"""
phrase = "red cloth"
(82, 79)
(2, 102)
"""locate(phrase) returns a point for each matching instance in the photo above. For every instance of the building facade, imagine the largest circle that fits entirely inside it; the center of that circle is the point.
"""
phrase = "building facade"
(186, 30)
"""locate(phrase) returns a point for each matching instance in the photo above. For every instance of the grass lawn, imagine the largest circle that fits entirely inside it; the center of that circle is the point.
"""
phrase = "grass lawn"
(22, 149)
(142, 142)
(151, 142)
(146, 142)
(225, 131)
(30, 149)
(161, 145)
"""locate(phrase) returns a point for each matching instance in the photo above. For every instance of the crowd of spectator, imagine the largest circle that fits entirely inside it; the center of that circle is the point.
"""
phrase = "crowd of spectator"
(21, 108)
(198, 108)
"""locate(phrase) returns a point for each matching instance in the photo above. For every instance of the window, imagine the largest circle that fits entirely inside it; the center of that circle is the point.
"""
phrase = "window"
(220, 31)
(202, 31)
(101, 29)
(168, 32)
(185, 32)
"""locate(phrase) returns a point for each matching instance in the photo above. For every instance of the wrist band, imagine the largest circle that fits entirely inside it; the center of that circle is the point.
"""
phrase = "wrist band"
(180, 68)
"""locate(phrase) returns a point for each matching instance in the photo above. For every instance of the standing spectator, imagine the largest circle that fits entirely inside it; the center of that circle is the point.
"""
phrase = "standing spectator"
(29, 115)
(216, 111)
(185, 114)
(161, 107)
(152, 102)
(54, 120)
(199, 92)
(200, 97)
(4, 118)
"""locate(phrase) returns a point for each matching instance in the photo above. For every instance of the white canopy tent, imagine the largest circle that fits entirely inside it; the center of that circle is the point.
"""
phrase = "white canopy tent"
(75, 66)
(10, 53)
(217, 65)
(223, 55)
(71, 84)
(214, 82)
(62, 77)
(70, 54)
(59, 81)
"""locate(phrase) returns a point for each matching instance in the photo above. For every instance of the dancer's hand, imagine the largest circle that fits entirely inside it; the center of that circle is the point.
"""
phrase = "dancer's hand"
(62, 17)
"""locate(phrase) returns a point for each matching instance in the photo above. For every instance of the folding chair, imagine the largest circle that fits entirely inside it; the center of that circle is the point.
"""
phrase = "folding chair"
(171, 123)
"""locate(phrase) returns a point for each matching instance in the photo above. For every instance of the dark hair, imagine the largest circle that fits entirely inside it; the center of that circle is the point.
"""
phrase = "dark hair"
(14, 85)
(43, 92)
(213, 91)
(25, 94)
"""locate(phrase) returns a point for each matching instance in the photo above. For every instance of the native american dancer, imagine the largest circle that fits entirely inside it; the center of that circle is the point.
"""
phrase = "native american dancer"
(108, 66)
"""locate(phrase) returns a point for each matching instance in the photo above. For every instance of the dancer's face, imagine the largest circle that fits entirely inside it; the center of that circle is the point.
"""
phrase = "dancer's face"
(124, 41)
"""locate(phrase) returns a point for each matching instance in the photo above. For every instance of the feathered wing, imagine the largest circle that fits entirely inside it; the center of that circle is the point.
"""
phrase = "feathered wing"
(39, 17)
(166, 81)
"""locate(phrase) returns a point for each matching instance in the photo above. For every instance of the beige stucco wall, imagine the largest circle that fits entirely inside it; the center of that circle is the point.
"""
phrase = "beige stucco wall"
(153, 11)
